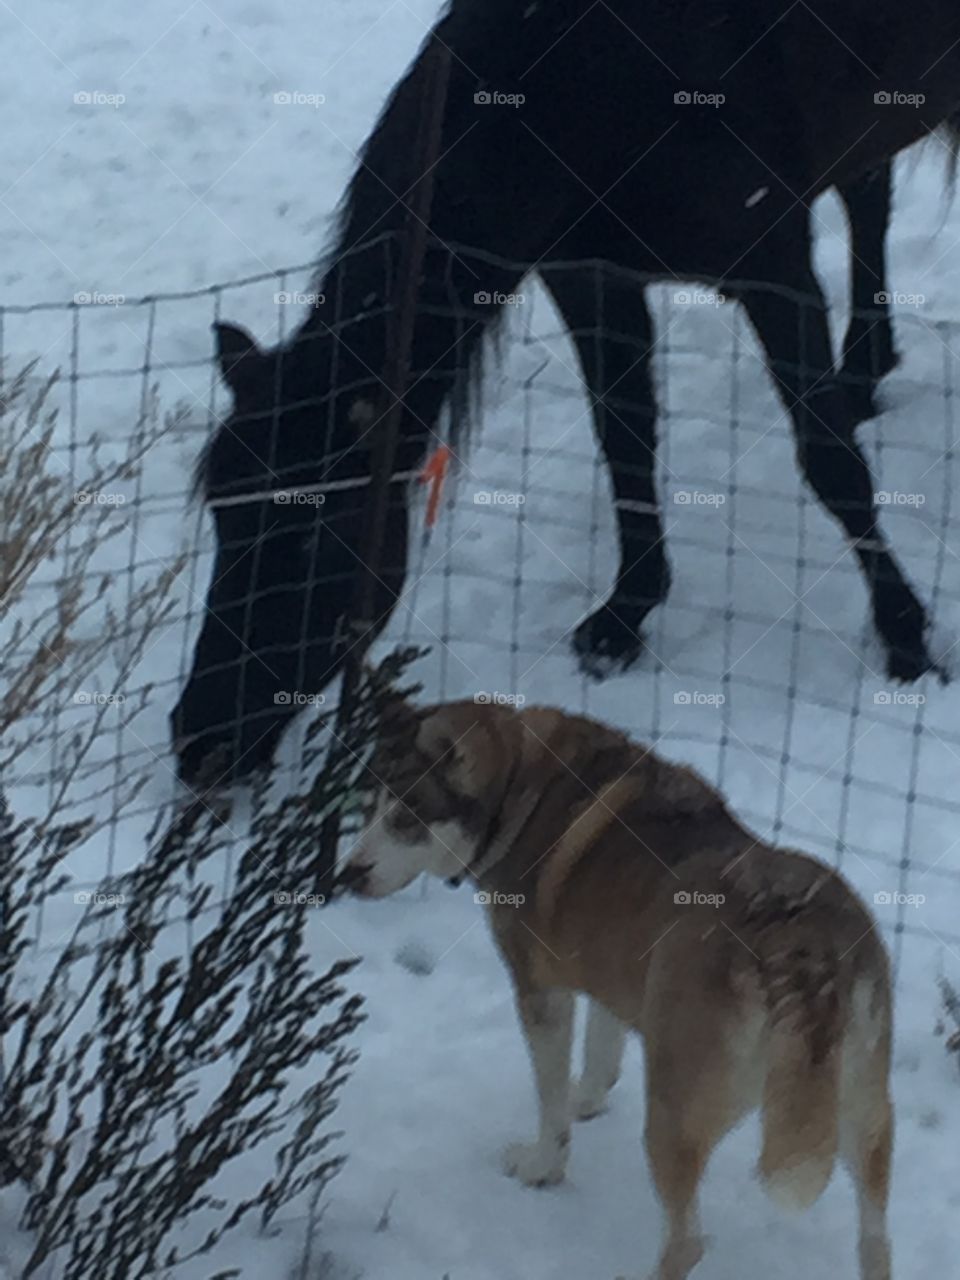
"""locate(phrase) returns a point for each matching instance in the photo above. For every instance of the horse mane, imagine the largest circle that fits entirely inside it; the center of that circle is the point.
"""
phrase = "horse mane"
(371, 206)
(199, 478)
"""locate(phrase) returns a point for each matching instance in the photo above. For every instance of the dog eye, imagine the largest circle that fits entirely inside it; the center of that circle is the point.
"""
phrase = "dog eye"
(367, 803)
(404, 819)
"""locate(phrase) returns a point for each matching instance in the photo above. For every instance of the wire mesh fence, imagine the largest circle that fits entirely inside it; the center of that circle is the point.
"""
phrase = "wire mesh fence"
(760, 668)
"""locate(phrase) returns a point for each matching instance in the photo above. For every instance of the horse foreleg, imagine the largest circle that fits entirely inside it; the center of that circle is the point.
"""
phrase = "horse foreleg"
(611, 327)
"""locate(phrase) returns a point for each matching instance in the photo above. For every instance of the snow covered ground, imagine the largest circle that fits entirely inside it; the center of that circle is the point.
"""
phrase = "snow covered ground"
(198, 177)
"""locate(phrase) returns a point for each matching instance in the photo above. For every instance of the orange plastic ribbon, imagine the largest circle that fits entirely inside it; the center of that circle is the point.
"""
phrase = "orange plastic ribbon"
(434, 473)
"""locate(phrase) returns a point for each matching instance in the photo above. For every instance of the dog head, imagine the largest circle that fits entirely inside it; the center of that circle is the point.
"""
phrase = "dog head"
(438, 775)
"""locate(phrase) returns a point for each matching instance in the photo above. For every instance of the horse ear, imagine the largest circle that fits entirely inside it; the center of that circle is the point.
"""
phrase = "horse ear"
(238, 355)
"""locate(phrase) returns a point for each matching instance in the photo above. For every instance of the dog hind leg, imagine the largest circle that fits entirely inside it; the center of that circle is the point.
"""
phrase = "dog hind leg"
(701, 1080)
(678, 1157)
(603, 1055)
(866, 1143)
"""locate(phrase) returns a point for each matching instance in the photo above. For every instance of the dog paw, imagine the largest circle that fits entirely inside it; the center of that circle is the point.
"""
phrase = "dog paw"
(533, 1165)
(589, 1100)
(679, 1259)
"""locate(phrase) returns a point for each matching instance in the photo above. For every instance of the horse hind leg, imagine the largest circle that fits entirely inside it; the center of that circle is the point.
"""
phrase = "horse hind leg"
(868, 348)
(790, 317)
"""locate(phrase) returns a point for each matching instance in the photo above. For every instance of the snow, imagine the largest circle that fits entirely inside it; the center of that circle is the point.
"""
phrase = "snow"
(200, 177)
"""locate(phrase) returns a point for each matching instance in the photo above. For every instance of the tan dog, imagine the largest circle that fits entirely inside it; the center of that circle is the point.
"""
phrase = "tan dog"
(753, 974)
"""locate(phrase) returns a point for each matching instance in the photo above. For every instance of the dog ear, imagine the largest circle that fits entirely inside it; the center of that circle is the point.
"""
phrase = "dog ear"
(437, 736)
(464, 747)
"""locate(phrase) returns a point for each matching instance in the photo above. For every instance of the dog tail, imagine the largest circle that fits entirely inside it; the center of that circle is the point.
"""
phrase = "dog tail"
(802, 1088)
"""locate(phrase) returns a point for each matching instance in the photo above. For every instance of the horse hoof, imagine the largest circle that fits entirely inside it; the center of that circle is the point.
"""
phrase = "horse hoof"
(605, 645)
(906, 665)
(869, 363)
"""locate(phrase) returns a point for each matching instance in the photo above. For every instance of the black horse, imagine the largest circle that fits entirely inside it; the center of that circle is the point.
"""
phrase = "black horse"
(585, 135)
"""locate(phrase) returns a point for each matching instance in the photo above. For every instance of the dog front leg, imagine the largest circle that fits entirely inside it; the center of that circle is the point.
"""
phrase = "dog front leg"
(547, 1018)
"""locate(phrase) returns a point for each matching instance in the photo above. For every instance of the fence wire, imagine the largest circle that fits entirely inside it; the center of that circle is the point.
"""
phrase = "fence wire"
(759, 669)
